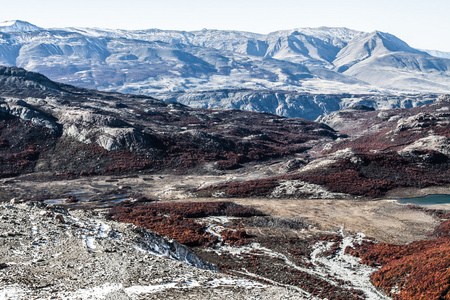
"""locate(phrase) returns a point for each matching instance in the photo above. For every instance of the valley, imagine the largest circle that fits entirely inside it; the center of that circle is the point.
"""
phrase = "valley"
(125, 196)
(310, 264)
(384, 220)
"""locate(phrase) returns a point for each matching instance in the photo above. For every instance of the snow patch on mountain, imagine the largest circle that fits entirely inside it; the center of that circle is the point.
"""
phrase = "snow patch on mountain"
(437, 53)
(17, 26)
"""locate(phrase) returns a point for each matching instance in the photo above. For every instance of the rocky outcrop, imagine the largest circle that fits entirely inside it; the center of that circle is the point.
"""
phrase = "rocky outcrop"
(439, 144)
(381, 151)
(22, 110)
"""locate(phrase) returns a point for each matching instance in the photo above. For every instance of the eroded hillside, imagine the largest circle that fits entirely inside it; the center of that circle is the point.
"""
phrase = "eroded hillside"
(50, 127)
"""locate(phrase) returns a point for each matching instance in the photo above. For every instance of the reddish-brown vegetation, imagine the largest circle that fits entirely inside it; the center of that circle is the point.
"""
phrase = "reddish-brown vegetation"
(21, 145)
(250, 188)
(79, 159)
(420, 270)
(175, 219)
(375, 175)
(234, 237)
(379, 173)
(351, 182)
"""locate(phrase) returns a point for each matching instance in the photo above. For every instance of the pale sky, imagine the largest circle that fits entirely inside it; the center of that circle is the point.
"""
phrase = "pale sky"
(422, 24)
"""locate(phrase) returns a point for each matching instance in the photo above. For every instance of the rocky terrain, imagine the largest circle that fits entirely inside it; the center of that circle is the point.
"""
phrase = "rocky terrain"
(382, 151)
(278, 251)
(66, 132)
(115, 196)
(92, 133)
(50, 253)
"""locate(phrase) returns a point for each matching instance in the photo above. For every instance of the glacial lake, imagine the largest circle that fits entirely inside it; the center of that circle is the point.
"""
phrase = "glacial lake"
(427, 200)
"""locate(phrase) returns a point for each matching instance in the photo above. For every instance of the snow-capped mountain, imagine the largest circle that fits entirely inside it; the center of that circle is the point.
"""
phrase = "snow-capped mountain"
(384, 60)
(322, 59)
(157, 62)
(17, 26)
(309, 45)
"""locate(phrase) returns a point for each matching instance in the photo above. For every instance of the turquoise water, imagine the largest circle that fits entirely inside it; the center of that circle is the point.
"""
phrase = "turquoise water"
(427, 200)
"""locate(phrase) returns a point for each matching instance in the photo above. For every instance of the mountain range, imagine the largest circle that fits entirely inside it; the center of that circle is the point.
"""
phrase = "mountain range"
(174, 64)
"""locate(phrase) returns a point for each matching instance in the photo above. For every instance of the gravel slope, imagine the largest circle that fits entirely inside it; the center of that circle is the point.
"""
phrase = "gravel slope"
(51, 253)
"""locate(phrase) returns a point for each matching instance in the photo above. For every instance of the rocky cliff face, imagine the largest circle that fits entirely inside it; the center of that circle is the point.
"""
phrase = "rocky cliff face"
(294, 104)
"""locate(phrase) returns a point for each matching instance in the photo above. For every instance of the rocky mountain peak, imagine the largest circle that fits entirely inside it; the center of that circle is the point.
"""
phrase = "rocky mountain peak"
(18, 26)
(20, 82)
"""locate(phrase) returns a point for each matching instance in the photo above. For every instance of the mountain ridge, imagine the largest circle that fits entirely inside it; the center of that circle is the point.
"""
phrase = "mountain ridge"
(316, 60)
(185, 66)
(18, 26)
